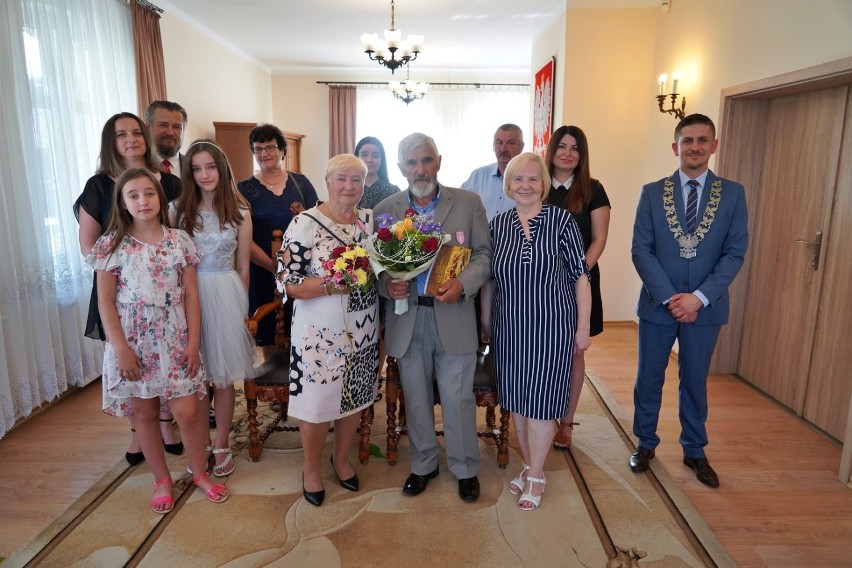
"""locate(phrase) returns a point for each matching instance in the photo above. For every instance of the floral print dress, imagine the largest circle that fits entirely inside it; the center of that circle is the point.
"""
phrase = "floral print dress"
(334, 356)
(149, 300)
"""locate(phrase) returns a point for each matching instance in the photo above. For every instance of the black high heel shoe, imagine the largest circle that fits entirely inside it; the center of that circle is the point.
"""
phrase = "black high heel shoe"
(351, 484)
(315, 498)
(175, 449)
(134, 458)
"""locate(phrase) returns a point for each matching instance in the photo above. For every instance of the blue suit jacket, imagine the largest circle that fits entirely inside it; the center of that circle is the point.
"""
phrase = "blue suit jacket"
(656, 254)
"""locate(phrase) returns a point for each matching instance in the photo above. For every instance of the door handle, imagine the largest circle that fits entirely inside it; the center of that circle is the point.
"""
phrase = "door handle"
(817, 244)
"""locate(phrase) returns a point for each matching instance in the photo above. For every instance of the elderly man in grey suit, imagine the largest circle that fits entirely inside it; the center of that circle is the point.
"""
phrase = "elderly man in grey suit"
(437, 335)
(689, 241)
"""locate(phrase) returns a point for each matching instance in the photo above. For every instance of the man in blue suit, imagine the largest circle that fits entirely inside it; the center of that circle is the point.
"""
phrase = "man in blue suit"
(689, 241)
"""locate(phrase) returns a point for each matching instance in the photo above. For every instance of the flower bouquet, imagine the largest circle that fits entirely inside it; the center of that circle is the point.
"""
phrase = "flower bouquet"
(405, 248)
(349, 266)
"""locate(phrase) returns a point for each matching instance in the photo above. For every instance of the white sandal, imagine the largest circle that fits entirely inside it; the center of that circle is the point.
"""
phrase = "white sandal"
(535, 500)
(208, 448)
(228, 466)
(516, 486)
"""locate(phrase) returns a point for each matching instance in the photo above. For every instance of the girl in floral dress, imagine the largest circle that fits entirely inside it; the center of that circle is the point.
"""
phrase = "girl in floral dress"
(216, 217)
(148, 302)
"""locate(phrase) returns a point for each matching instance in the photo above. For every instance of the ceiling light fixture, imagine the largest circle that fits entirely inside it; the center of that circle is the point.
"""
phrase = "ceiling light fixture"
(409, 90)
(386, 49)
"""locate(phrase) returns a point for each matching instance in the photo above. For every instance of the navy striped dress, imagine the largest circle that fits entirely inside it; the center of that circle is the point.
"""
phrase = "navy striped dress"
(535, 310)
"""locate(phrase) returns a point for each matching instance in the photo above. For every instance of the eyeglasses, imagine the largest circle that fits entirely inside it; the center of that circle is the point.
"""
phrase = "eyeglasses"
(258, 150)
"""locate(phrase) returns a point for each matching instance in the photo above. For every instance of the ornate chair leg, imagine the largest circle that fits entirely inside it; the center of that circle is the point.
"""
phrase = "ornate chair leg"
(391, 397)
(503, 444)
(255, 447)
(364, 429)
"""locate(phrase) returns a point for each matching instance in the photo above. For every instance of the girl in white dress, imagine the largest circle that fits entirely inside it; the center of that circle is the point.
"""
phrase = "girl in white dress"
(216, 217)
(148, 302)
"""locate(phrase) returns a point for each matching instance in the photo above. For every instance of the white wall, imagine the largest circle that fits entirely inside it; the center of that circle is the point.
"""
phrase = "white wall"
(550, 43)
(739, 42)
(609, 56)
(210, 81)
(300, 105)
(612, 60)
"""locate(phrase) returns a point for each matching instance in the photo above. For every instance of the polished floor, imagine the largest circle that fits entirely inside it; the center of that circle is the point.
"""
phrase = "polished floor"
(779, 504)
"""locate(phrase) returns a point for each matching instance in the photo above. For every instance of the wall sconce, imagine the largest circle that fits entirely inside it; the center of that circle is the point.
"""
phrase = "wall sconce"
(679, 113)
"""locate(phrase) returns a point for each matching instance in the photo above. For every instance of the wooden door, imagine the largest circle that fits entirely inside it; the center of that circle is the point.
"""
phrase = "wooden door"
(801, 147)
(830, 379)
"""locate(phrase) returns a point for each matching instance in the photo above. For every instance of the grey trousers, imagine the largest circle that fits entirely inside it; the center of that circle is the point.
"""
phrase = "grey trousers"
(454, 374)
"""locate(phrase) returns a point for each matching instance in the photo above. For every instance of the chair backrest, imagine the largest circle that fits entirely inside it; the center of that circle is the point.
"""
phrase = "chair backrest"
(282, 339)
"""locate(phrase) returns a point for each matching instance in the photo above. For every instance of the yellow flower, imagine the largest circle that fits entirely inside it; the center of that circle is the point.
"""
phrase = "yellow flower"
(340, 264)
(361, 276)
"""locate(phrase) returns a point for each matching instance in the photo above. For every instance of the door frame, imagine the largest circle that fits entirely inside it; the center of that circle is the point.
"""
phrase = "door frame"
(742, 114)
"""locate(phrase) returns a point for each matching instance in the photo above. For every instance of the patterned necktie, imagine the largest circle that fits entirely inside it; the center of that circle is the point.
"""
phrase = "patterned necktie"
(692, 206)
(167, 166)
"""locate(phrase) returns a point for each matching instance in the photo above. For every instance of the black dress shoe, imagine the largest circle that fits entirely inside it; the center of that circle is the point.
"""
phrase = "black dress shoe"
(416, 484)
(351, 484)
(469, 489)
(313, 497)
(640, 458)
(703, 472)
(134, 458)
(174, 449)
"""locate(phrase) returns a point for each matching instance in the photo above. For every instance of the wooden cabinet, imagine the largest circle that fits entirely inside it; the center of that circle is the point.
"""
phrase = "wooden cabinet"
(233, 138)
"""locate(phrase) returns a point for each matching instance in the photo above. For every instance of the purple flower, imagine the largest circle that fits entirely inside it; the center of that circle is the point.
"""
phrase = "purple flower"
(385, 220)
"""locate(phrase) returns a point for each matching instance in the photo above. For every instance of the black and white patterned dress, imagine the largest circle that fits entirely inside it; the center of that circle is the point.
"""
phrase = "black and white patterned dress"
(535, 310)
(334, 356)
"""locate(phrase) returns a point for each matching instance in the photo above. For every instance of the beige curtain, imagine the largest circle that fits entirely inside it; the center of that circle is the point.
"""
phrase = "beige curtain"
(148, 47)
(341, 119)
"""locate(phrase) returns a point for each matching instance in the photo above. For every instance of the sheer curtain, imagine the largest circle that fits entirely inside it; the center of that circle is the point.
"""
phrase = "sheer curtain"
(461, 120)
(67, 65)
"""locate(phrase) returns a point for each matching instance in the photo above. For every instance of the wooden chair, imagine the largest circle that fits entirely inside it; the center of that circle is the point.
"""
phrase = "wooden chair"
(272, 383)
(485, 391)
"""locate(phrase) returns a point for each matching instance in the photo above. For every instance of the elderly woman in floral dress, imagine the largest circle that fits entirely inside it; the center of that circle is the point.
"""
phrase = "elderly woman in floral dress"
(334, 353)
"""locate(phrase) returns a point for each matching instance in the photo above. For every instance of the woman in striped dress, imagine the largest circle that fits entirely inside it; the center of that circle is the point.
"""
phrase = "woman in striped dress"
(541, 288)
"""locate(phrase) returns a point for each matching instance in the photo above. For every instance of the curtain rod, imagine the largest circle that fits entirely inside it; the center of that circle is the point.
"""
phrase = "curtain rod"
(148, 5)
(477, 85)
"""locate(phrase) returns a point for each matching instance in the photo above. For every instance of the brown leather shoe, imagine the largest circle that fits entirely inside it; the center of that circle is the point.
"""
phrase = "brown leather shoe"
(703, 472)
(640, 458)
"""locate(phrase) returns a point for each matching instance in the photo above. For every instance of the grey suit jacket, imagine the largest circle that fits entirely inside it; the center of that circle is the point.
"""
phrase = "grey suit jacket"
(460, 213)
(656, 254)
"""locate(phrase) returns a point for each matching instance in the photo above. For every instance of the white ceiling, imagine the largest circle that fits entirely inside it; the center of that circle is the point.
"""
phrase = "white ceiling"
(463, 38)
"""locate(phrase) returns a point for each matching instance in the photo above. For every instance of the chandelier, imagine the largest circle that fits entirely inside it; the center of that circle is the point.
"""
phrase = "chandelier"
(408, 90)
(386, 50)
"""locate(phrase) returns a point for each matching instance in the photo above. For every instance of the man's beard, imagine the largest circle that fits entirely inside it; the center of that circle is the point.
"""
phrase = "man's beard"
(168, 151)
(423, 188)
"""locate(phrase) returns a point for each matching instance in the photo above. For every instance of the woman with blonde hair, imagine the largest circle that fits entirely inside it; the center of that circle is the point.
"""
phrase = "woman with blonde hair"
(334, 353)
(540, 314)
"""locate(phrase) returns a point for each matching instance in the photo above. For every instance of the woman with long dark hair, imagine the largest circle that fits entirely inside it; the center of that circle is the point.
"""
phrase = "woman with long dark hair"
(574, 189)
(376, 184)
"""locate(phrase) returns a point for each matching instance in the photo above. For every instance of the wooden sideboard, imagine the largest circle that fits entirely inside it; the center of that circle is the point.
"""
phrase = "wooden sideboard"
(233, 138)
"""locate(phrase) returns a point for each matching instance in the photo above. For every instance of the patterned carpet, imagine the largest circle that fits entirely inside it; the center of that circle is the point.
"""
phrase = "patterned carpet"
(595, 513)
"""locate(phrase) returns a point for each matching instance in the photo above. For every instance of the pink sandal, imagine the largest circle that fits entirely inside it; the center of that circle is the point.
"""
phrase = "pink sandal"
(217, 493)
(166, 500)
